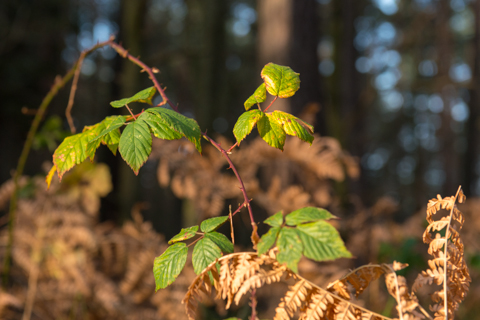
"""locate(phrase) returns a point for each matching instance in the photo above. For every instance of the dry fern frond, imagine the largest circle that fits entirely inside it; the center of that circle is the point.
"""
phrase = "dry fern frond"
(240, 272)
(448, 267)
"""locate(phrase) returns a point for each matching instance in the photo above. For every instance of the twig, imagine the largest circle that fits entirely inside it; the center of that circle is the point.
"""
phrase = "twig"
(270, 104)
(73, 90)
(124, 53)
(242, 186)
(254, 305)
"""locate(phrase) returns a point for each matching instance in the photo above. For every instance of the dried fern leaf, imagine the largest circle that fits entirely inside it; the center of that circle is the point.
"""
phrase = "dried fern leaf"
(293, 300)
(359, 279)
(448, 267)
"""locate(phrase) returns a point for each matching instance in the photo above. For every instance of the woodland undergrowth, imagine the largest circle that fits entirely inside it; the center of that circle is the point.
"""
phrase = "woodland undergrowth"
(62, 263)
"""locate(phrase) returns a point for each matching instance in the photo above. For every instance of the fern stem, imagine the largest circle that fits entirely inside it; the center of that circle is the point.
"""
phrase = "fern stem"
(445, 260)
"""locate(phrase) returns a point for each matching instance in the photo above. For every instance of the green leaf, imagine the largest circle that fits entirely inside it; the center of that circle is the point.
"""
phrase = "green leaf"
(221, 241)
(184, 234)
(276, 220)
(158, 127)
(204, 253)
(307, 214)
(185, 126)
(135, 144)
(212, 223)
(168, 266)
(259, 96)
(293, 126)
(74, 150)
(280, 81)
(289, 248)
(267, 240)
(321, 241)
(110, 124)
(245, 124)
(144, 96)
(271, 131)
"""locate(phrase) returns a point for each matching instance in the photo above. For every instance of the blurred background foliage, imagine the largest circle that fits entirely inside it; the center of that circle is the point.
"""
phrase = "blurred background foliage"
(395, 82)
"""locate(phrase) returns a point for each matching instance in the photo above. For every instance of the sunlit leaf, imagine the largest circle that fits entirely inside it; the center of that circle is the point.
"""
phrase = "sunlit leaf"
(204, 253)
(280, 81)
(50, 175)
(307, 214)
(221, 241)
(276, 220)
(321, 241)
(158, 127)
(259, 96)
(74, 150)
(293, 126)
(212, 223)
(144, 96)
(135, 144)
(271, 131)
(267, 240)
(168, 266)
(186, 127)
(245, 124)
(110, 124)
(289, 248)
(184, 234)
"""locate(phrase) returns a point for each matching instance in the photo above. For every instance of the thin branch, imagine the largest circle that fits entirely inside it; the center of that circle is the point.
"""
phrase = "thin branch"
(73, 90)
(130, 110)
(124, 53)
(270, 104)
(58, 84)
(242, 186)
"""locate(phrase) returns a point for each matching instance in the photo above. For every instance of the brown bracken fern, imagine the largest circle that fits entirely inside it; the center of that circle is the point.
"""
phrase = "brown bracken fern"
(236, 274)
(448, 267)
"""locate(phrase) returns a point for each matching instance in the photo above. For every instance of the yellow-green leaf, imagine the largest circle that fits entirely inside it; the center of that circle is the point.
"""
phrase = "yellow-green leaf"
(245, 124)
(280, 81)
(293, 126)
(144, 96)
(271, 131)
(259, 96)
(184, 234)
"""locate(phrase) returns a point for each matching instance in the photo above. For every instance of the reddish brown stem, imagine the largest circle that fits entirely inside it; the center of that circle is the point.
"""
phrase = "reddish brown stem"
(270, 104)
(231, 148)
(242, 186)
(124, 53)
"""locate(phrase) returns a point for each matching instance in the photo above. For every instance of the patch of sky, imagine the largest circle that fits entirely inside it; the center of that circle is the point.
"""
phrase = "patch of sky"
(435, 103)
(385, 33)
(244, 16)
(326, 67)
(376, 160)
(387, 79)
(427, 68)
(407, 138)
(388, 7)
(460, 72)
(392, 100)
(459, 111)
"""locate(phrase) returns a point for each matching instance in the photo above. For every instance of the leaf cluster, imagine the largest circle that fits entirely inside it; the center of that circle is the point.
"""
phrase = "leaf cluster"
(303, 232)
(134, 142)
(209, 246)
(280, 82)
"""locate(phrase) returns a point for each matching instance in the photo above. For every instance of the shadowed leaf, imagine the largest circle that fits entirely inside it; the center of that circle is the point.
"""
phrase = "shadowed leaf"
(168, 266)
